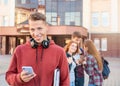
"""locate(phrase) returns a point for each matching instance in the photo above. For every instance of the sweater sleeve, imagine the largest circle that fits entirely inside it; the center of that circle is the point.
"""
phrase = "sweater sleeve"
(12, 75)
(64, 70)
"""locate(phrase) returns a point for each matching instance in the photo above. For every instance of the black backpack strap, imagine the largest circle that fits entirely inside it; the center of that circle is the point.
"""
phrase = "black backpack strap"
(74, 60)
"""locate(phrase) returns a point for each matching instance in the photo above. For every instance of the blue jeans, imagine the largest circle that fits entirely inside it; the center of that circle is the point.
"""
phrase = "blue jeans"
(72, 83)
(79, 81)
(91, 85)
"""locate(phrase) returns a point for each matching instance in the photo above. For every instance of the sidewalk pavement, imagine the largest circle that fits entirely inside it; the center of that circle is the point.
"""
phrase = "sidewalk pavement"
(4, 62)
(113, 80)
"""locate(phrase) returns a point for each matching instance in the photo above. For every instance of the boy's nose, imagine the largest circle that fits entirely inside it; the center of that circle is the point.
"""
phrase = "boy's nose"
(36, 33)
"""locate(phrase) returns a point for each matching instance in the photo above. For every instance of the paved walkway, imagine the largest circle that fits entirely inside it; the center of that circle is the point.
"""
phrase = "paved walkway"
(4, 62)
(114, 79)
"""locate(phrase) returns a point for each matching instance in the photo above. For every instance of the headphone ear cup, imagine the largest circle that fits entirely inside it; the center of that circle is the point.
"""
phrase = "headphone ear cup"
(33, 43)
(45, 43)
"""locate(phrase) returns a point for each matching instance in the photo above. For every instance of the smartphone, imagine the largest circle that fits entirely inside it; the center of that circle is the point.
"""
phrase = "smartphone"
(29, 69)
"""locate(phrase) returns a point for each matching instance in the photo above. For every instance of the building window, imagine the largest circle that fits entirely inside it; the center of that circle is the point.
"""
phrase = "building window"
(95, 19)
(104, 44)
(5, 2)
(97, 43)
(0, 2)
(51, 18)
(48, 17)
(41, 2)
(72, 18)
(105, 19)
(5, 21)
(21, 17)
(23, 1)
(69, 12)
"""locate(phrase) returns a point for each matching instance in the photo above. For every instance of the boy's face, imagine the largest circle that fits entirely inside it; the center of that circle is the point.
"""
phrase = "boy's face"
(38, 30)
(78, 40)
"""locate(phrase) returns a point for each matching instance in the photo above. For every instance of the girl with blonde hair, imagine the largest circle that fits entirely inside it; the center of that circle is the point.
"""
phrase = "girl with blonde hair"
(94, 64)
(71, 49)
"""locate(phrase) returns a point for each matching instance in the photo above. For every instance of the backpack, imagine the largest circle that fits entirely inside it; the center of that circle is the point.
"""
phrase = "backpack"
(106, 69)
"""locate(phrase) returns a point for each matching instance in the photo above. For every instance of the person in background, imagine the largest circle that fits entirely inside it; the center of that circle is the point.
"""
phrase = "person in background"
(71, 49)
(40, 53)
(94, 64)
(79, 57)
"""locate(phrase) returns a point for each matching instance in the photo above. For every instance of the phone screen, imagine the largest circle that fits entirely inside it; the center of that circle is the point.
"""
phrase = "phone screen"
(29, 69)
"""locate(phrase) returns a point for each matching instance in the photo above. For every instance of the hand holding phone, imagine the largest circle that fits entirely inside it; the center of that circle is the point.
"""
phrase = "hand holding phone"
(29, 69)
(27, 74)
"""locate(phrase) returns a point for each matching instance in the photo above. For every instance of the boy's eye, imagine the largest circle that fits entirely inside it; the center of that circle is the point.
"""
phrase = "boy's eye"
(32, 29)
(39, 28)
